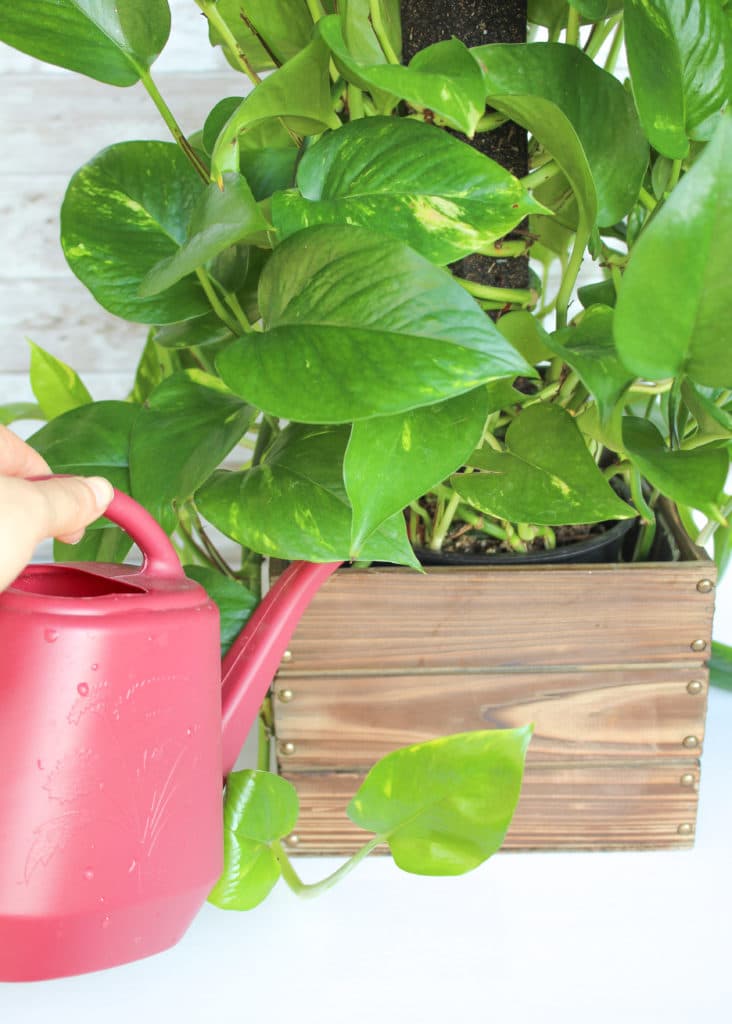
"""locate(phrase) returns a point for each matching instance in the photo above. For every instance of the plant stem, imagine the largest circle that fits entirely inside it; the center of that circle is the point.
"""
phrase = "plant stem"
(443, 525)
(573, 27)
(306, 890)
(355, 102)
(568, 281)
(521, 296)
(214, 300)
(213, 554)
(647, 199)
(316, 10)
(213, 15)
(377, 23)
(490, 121)
(175, 129)
(544, 173)
(636, 493)
(652, 389)
(674, 178)
(504, 249)
(599, 34)
(615, 47)
(709, 529)
(264, 736)
(241, 318)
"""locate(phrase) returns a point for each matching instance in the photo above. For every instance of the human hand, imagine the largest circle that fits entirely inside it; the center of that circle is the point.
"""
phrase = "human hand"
(32, 510)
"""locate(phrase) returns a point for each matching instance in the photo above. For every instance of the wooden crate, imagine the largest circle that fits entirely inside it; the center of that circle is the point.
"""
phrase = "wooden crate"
(607, 661)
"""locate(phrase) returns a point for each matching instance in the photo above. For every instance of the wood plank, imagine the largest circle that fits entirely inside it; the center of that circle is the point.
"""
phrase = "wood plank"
(35, 144)
(64, 319)
(588, 807)
(349, 723)
(29, 210)
(385, 620)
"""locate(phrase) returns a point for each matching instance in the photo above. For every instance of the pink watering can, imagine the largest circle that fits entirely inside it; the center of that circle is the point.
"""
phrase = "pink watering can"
(116, 729)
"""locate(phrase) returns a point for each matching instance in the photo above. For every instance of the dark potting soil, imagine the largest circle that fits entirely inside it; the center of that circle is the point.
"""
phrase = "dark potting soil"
(476, 23)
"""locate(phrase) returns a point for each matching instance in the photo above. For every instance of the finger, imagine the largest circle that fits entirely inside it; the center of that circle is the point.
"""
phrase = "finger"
(18, 458)
(68, 504)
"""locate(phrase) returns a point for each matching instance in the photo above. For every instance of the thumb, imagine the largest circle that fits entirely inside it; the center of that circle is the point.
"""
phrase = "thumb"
(66, 505)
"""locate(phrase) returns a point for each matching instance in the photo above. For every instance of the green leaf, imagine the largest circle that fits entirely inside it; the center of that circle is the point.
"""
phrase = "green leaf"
(677, 54)
(294, 505)
(546, 475)
(267, 152)
(258, 808)
(188, 424)
(286, 26)
(298, 93)
(723, 549)
(91, 440)
(589, 349)
(234, 601)
(533, 82)
(123, 212)
(694, 478)
(443, 78)
(223, 216)
(407, 179)
(553, 13)
(673, 310)
(345, 311)
(101, 542)
(708, 408)
(600, 293)
(392, 460)
(56, 386)
(14, 411)
(524, 332)
(444, 806)
(112, 42)
(720, 666)
(196, 333)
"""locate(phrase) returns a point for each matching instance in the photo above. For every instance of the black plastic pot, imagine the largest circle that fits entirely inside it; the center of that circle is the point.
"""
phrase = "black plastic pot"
(607, 546)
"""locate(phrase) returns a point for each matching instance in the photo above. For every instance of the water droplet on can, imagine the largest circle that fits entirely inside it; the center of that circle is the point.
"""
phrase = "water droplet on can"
(49, 635)
(89, 874)
(83, 689)
(94, 667)
(105, 921)
(39, 765)
(132, 866)
(189, 731)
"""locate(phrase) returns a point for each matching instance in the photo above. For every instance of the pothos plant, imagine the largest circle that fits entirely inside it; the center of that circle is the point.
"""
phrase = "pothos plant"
(292, 258)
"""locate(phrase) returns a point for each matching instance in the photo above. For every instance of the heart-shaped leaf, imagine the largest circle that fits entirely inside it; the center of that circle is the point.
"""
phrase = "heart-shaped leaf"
(294, 505)
(345, 311)
(112, 42)
(56, 386)
(234, 601)
(123, 212)
(443, 78)
(595, 104)
(673, 310)
(91, 440)
(258, 808)
(196, 333)
(406, 179)
(546, 475)
(694, 478)
(223, 216)
(444, 806)
(392, 460)
(526, 335)
(188, 424)
(678, 52)
(709, 408)
(298, 93)
(285, 25)
(720, 666)
(590, 350)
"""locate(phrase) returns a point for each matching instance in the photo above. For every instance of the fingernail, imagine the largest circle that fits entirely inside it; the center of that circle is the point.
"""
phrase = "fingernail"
(101, 489)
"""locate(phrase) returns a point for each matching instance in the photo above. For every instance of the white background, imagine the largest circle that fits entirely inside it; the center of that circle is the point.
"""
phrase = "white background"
(586, 938)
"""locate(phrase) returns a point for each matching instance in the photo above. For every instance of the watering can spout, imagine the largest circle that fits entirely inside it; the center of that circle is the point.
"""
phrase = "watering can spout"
(255, 655)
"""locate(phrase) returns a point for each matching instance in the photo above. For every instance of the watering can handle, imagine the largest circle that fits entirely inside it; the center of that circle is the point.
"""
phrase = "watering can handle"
(159, 555)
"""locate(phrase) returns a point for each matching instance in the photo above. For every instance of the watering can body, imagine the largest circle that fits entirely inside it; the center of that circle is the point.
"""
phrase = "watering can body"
(111, 740)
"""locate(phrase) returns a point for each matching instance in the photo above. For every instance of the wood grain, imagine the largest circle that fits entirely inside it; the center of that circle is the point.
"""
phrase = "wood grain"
(562, 807)
(350, 722)
(501, 617)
